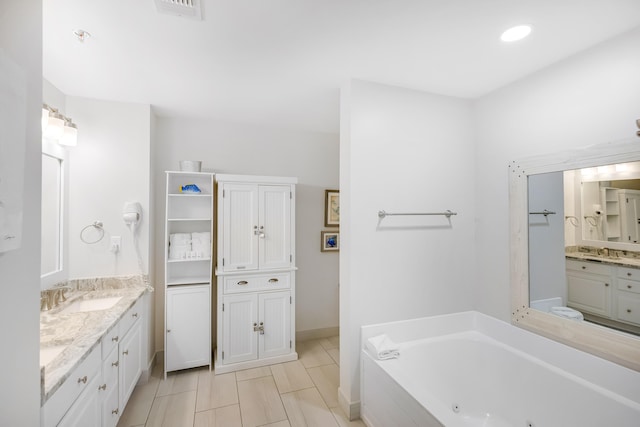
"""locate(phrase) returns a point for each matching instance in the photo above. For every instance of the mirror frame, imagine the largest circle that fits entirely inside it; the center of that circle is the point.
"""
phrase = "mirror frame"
(609, 344)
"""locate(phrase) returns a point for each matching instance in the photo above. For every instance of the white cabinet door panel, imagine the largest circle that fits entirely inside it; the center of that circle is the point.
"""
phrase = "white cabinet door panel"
(130, 362)
(589, 294)
(188, 327)
(239, 318)
(275, 314)
(275, 226)
(240, 233)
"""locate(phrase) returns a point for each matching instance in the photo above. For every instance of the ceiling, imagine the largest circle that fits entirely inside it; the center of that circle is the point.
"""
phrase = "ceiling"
(281, 62)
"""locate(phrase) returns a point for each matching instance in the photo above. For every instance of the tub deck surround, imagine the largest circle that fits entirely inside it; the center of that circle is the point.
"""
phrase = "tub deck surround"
(80, 332)
(468, 369)
(590, 253)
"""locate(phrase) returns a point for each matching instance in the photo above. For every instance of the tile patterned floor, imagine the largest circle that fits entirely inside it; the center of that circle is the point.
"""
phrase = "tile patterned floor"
(303, 393)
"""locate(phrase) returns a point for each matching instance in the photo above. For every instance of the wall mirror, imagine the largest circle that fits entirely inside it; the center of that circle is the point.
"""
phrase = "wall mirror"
(565, 203)
(52, 265)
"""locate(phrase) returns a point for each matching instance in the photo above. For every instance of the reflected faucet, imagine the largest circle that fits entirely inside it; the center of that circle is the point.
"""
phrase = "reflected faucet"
(52, 297)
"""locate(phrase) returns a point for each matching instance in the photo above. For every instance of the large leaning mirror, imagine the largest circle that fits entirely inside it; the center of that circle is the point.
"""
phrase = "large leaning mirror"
(575, 251)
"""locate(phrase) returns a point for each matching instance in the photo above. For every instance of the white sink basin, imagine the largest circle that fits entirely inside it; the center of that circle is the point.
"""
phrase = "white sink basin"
(47, 354)
(91, 305)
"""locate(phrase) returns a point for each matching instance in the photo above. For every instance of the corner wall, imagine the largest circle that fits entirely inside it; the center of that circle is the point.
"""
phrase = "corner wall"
(402, 151)
(110, 166)
(590, 98)
(21, 43)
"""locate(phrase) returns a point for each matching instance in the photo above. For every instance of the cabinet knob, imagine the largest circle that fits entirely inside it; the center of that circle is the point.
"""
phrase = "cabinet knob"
(243, 282)
(114, 338)
(628, 310)
(168, 330)
(629, 274)
(629, 286)
(115, 412)
(606, 284)
(125, 353)
(102, 387)
(584, 267)
(116, 363)
(273, 280)
(82, 380)
(134, 315)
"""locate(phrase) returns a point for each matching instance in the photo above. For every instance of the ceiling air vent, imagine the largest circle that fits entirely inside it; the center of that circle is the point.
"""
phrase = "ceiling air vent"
(186, 8)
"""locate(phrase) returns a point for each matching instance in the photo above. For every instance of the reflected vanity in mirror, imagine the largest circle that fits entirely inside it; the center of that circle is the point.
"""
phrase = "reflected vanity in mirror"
(575, 254)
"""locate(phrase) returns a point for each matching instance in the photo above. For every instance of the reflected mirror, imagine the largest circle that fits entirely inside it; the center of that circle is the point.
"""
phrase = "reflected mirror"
(52, 269)
(575, 256)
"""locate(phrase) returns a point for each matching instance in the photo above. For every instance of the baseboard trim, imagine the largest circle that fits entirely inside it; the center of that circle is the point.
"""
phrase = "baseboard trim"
(314, 334)
(146, 373)
(351, 409)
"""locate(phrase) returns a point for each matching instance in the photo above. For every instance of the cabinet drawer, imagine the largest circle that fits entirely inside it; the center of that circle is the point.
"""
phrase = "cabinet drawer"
(256, 283)
(130, 317)
(110, 340)
(629, 273)
(58, 404)
(629, 307)
(629, 286)
(589, 267)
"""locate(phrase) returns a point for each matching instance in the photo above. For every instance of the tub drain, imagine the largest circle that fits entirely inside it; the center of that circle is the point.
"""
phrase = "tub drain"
(455, 407)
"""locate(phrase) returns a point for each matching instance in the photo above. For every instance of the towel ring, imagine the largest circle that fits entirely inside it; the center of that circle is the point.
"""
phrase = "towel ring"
(97, 225)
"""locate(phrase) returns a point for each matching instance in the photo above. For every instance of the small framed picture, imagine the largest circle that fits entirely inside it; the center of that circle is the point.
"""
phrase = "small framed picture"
(331, 208)
(330, 241)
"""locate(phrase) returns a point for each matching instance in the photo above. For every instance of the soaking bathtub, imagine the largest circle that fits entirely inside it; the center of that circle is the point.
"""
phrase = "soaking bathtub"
(469, 369)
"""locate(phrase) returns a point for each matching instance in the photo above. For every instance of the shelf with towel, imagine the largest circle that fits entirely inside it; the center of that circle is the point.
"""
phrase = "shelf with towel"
(447, 213)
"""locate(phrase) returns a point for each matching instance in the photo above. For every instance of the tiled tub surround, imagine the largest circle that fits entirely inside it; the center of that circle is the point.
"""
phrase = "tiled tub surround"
(604, 255)
(81, 332)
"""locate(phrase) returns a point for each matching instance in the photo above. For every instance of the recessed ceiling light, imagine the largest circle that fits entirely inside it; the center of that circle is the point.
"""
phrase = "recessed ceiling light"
(516, 33)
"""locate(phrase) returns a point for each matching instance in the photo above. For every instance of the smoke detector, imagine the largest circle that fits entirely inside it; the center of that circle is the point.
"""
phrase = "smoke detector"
(186, 8)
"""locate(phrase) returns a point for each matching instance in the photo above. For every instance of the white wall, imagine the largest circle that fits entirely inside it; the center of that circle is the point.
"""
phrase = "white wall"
(21, 42)
(402, 151)
(110, 165)
(590, 98)
(254, 150)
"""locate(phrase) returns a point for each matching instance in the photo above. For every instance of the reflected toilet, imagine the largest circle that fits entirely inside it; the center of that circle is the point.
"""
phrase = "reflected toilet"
(556, 307)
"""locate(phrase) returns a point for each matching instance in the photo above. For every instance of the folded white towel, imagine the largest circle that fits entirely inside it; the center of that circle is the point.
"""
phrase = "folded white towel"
(382, 347)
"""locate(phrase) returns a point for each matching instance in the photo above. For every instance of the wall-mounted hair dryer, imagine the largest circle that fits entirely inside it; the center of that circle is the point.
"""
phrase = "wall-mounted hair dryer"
(132, 214)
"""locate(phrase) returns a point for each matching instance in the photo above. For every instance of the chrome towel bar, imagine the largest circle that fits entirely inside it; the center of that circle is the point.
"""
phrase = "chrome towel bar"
(447, 213)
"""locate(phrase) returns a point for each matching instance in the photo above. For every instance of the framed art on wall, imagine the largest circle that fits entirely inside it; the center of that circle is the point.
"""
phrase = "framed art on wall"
(330, 241)
(331, 208)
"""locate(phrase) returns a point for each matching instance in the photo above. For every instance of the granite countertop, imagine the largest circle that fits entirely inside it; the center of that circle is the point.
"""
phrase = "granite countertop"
(611, 257)
(79, 332)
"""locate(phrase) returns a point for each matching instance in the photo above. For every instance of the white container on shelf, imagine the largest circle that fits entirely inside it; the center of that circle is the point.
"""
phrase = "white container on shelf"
(190, 165)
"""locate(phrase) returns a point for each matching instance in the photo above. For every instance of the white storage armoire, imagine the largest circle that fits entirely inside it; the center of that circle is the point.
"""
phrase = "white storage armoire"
(189, 233)
(255, 271)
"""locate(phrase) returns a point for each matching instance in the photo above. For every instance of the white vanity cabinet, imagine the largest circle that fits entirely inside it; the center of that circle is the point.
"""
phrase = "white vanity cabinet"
(589, 287)
(609, 291)
(628, 295)
(255, 271)
(97, 391)
(189, 236)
